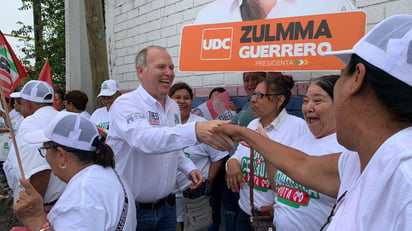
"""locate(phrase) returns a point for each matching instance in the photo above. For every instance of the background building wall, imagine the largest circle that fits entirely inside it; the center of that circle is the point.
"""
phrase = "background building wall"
(133, 25)
(78, 71)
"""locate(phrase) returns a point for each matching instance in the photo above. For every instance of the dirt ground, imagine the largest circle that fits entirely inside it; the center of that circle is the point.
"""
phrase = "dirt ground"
(7, 217)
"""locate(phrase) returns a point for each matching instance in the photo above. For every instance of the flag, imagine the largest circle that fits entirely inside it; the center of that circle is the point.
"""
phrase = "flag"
(11, 70)
(45, 75)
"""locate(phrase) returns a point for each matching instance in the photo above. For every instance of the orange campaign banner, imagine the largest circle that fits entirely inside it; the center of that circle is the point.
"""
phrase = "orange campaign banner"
(279, 44)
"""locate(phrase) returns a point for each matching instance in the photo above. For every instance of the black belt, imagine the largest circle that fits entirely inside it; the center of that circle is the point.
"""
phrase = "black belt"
(171, 200)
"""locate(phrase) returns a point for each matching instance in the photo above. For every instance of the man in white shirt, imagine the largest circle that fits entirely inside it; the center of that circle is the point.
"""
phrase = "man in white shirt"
(37, 109)
(109, 91)
(147, 138)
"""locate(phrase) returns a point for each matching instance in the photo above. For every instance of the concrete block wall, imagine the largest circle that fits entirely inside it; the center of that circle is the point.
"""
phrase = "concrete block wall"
(135, 24)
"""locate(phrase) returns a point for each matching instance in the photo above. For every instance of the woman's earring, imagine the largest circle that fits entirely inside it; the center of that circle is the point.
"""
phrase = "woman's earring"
(63, 166)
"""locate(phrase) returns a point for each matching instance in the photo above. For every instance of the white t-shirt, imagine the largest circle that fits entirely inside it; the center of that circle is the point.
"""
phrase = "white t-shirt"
(16, 119)
(298, 207)
(202, 156)
(31, 160)
(221, 11)
(93, 200)
(4, 141)
(147, 141)
(284, 129)
(100, 117)
(379, 198)
(85, 114)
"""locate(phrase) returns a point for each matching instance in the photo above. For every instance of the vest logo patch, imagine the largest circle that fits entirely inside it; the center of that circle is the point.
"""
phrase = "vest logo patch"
(154, 118)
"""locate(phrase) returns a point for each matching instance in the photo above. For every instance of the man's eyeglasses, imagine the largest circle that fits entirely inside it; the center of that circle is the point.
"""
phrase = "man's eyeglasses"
(43, 150)
(332, 213)
(260, 95)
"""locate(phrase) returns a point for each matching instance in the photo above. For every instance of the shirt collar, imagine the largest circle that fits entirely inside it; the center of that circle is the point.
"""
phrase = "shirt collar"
(276, 124)
(148, 98)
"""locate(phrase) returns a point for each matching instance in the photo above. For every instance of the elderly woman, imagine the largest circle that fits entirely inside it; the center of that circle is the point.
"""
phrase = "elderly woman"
(207, 159)
(373, 111)
(298, 207)
(95, 198)
(268, 103)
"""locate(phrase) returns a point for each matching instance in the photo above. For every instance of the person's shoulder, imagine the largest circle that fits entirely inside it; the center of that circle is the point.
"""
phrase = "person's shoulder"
(253, 124)
(131, 97)
(295, 119)
(196, 118)
(39, 117)
(99, 110)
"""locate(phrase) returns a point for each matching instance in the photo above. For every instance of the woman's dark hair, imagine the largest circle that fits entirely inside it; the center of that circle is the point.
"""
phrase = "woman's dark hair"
(180, 86)
(393, 93)
(219, 89)
(327, 83)
(103, 156)
(251, 10)
(281, 85)
(261, 73)
(78, 98)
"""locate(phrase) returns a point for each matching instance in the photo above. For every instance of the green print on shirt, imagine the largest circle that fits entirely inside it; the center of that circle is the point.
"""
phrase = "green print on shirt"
(104, 125)
(291, 193)
(186, 154)
(177, 120)
(261, 182)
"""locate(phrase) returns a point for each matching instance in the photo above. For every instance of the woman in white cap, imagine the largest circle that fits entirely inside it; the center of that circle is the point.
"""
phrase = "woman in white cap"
(373, 110)
(95, 198)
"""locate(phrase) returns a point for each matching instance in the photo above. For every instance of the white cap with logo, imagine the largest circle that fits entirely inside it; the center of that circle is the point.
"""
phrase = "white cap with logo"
(109, 88)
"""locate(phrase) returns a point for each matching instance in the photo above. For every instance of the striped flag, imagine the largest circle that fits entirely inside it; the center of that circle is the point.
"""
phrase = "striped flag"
(11, 70)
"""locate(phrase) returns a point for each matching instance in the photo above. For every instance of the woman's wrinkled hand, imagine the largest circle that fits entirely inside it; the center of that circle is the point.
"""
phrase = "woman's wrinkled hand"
(234, 176)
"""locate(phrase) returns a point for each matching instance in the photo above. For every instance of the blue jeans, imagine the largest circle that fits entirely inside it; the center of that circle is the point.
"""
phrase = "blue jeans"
(163, 218)
(243, 222)
(223, 199)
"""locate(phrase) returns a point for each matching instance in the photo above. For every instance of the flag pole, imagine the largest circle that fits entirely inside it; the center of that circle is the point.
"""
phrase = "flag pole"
(10, 125)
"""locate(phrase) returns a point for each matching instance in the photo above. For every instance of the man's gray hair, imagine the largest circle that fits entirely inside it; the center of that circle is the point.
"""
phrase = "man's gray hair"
(142, 55)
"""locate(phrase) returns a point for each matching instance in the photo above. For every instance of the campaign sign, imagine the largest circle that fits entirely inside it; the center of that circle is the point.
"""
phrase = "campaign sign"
(278, 44)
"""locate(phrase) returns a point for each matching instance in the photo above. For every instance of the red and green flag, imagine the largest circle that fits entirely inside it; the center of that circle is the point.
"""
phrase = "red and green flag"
(11, 70)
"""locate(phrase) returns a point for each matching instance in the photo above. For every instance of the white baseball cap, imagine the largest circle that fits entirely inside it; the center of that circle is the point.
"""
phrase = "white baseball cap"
(109, 88)
(35, 91)
(67, 129)
(388, 46)
(15, 95)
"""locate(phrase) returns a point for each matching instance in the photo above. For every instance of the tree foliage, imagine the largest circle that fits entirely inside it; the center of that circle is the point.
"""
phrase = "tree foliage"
(49, 30)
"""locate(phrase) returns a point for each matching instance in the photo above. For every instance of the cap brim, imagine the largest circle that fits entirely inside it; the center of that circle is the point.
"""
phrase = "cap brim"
(15, 95)
(343, 55)
(106, 93)
(35, 137)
